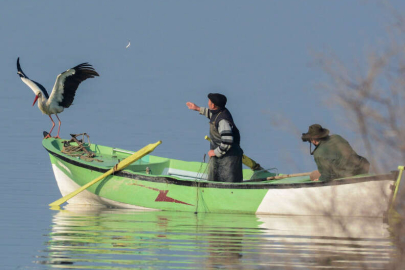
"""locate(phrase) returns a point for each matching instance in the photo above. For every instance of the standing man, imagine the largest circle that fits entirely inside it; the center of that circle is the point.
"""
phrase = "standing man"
(225, 154)
(333, 155)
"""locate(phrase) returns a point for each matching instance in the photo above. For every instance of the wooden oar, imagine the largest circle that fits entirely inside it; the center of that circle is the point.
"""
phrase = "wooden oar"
(278, 177)
(287, 176)
(245, 160)
(121, 165)
(400, 171)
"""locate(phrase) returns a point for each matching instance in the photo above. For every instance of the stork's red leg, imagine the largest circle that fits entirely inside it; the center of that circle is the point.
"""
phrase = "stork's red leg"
(53, 125)
(60, 123)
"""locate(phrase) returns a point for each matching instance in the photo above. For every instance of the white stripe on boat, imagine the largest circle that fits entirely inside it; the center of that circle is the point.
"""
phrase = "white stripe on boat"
(67, 185)
(367, 199)
(64, 166)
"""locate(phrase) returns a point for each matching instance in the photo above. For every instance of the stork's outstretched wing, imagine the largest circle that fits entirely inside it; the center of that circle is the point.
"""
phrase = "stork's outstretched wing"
(67, 83)
(36, 87)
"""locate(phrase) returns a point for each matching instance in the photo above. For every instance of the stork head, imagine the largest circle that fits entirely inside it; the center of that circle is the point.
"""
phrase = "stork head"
(37, 95)
(39, 92)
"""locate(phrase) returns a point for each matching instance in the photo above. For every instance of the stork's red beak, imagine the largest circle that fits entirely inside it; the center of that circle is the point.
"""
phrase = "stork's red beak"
(35, 100)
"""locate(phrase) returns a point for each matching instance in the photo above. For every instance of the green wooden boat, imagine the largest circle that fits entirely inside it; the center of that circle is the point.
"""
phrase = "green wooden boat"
(158, 183)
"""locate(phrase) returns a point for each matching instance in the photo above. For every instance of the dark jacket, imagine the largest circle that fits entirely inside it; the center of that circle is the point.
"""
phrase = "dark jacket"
(335, 158)
(216, 137)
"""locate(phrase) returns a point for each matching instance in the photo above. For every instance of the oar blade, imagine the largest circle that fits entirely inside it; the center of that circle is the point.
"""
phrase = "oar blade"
(77, 191)
(121, 165)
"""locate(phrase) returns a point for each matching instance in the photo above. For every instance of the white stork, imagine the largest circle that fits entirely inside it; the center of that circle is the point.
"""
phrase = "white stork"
(63, 91)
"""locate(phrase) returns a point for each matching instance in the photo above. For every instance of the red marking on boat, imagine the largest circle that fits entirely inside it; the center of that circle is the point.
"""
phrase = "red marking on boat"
(162, 196)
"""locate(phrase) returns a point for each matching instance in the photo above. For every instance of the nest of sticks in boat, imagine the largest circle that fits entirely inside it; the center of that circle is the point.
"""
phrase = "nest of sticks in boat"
(79, 148)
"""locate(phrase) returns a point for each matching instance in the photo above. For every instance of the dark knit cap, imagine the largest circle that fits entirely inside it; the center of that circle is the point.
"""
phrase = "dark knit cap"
(218, 99)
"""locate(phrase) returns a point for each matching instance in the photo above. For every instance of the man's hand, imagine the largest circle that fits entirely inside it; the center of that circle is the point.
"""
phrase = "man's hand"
(314, 176)
(192, 106)
(211, 153)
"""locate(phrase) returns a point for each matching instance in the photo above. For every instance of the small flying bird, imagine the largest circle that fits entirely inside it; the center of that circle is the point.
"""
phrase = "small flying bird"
(129, 44)
(63, 91)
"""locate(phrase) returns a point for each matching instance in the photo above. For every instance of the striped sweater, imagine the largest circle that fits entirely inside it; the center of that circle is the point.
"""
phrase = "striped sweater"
(225, 129)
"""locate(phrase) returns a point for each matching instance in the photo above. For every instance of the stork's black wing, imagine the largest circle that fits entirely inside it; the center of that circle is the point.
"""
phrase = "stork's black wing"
(67, 83)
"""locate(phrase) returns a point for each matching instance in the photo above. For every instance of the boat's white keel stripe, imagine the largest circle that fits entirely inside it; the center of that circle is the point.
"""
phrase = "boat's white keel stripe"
(67, 185)
(368, 199)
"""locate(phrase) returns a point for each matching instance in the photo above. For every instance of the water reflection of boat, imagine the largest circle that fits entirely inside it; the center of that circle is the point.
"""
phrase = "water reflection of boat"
(167, 184)
(126, 239)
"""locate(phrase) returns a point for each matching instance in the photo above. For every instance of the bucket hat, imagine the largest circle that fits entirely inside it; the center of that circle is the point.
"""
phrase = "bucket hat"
(315, 131)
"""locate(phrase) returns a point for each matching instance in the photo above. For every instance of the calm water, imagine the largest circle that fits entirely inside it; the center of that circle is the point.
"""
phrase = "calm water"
(94, 238)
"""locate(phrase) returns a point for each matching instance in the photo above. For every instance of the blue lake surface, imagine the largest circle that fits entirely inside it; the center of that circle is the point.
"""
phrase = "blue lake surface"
(96, 238)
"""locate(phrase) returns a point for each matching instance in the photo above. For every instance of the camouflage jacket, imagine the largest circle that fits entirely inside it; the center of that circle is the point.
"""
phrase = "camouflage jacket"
(335, 158)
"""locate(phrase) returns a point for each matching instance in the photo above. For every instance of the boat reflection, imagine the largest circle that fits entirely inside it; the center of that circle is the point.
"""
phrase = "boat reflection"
(100, 238)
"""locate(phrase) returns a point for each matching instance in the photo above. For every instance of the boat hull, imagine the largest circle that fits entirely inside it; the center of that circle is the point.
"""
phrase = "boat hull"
(366, 196)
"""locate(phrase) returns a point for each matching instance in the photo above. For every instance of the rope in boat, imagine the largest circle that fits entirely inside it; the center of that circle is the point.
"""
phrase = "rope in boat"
(199, 173)
(198, 178)
(80, 149)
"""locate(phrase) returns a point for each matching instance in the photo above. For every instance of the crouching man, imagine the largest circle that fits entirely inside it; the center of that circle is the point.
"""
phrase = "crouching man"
(333, 155)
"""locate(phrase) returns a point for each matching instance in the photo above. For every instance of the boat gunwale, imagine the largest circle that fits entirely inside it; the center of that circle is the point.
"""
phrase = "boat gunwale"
(260, 184)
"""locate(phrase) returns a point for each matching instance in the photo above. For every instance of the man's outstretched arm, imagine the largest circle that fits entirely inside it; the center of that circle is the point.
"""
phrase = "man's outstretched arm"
(202, 110)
